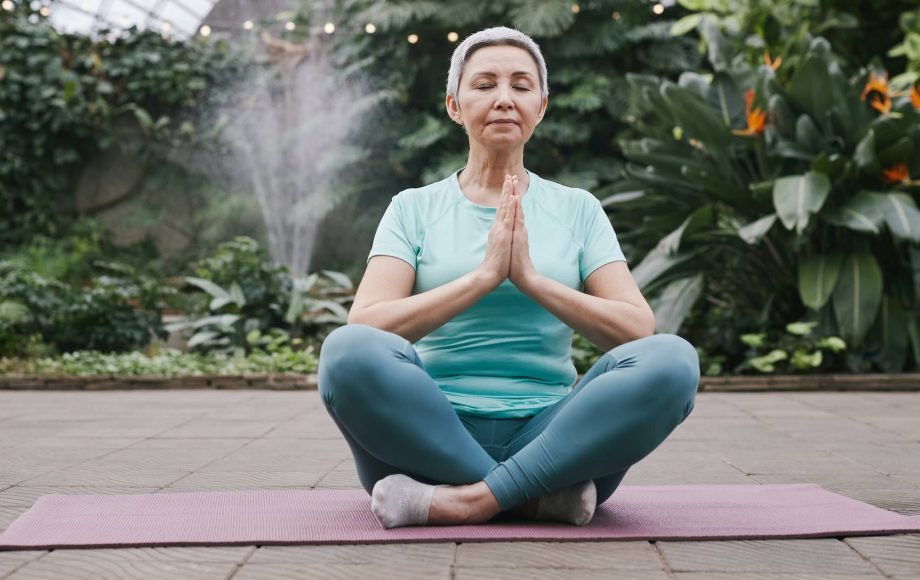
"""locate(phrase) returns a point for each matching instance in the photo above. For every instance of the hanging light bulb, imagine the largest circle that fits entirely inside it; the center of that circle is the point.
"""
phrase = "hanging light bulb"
(289, 25)
(205, 30)
(413, 38)
(329, 28)
(576, 8)
(658, 8)
(452, 36)
(44, 11)
(8, 5)
(616, 16)
(370, 29)
(248, 25)
(166, 27)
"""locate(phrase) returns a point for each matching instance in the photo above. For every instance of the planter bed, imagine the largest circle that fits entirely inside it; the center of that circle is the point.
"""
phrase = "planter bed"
(738, 383)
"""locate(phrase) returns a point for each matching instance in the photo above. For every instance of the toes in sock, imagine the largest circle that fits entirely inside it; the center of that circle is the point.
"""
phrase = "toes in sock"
(398, 500)
(574, 504)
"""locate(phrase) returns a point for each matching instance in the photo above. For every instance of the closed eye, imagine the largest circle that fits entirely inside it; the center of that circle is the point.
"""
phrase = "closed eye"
(490, 86)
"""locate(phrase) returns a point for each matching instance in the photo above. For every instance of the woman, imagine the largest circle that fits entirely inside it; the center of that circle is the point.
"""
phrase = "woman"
(453, 381)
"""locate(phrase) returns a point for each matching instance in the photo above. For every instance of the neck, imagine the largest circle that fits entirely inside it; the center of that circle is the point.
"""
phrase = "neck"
(486, 173)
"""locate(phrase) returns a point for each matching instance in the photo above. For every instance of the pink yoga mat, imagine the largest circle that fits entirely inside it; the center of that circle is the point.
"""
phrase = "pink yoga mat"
(277, 517)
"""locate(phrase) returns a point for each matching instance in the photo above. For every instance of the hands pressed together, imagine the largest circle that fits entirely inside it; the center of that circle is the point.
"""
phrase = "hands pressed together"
(507, 250)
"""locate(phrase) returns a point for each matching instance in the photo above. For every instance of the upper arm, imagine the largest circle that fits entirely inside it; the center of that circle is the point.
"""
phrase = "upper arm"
(614, 281)
(385, 278)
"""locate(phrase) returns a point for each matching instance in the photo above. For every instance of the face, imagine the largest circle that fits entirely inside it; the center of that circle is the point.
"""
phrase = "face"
(498, 82)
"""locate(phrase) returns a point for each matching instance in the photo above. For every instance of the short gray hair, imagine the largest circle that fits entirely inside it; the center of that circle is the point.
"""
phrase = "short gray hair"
(496, 36)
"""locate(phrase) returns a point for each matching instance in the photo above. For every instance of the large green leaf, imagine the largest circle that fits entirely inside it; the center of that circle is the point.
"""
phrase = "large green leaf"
(901, 215)
(797, 196)
(654, 264)
(857, 296)
(781, 114)
(865, 156)
(862, 213)
(754, 231)
(890, 335)
(676, 301)
(817, 277)
(696, 117)
(810, 85)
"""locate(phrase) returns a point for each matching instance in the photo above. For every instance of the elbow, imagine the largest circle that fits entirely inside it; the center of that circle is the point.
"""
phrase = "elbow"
(647, 325)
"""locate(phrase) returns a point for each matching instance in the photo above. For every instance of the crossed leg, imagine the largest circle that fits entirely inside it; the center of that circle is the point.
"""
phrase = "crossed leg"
(396, 420)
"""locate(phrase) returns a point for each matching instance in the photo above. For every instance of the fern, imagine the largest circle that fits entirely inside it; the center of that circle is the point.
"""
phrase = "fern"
(545, 18)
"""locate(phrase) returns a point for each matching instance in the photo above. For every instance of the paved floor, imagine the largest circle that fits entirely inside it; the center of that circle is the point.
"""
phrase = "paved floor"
(863, 445)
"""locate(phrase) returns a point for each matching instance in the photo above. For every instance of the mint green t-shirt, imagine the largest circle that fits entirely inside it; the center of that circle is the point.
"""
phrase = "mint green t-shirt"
(506, 356)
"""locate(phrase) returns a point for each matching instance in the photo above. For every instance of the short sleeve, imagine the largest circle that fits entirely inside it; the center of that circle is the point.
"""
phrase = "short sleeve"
(396, 234)
(600, 243)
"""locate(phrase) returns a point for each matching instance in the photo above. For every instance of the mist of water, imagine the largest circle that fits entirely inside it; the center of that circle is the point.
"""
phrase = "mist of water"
(288, 137)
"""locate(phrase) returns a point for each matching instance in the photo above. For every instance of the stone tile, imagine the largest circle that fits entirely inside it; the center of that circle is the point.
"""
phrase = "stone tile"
(26, 495)
(312, 426)
(895, 555)
(173, 459)
(241, 481)
(231, 554)
(216, 443)
(300, 464)
(10, 561)
(112, 428)
(93, 477)
(224, 429)
(829, 556)
(284, 570)
(100, 443)
(593, 555)
(93, 570)
(9, 514)
(642, 477)
(411, 555)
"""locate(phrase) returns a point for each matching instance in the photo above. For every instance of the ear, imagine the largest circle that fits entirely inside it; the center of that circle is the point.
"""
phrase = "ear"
(453, 109)
(543, 109)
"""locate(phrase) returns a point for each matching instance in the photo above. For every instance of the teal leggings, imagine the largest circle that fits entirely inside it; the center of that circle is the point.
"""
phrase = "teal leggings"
(396, 419)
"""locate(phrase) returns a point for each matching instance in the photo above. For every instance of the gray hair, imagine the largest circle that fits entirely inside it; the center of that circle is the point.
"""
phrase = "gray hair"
(496, 36)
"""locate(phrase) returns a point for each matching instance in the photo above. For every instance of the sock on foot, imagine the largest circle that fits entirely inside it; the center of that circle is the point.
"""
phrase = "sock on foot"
(574, 504)
(398, 500)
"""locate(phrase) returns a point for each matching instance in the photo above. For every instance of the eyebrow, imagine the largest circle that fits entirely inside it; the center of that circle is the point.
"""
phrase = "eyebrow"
(519, 73)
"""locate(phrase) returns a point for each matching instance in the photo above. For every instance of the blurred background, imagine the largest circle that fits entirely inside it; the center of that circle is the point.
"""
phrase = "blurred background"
(194, 185)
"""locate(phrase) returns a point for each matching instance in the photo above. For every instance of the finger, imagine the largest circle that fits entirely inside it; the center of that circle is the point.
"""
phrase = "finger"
(503, 201)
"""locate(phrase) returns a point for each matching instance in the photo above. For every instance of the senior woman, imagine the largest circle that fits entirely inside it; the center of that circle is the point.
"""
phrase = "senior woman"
(453, 382)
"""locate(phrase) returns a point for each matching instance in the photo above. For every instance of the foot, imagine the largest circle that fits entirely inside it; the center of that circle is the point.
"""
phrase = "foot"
(462, 504)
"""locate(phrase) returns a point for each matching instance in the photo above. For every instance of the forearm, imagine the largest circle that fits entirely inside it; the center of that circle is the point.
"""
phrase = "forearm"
(606, 323)
(415, 316)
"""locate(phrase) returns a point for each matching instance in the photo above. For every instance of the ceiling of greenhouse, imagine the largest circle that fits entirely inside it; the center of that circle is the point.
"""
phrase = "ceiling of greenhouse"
(180, 18)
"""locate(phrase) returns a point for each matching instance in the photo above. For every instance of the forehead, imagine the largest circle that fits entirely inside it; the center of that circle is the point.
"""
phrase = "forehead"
(501, 60)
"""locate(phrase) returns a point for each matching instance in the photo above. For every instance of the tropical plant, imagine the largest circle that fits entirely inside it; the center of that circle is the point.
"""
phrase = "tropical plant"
(729, 155)
(795, 351)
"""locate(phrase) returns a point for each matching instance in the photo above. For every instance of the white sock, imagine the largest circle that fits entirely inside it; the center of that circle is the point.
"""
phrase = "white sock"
(574, 504)
(398, 500)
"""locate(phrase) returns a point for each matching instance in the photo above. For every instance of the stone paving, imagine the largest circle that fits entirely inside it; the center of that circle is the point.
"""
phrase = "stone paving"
(865, 445)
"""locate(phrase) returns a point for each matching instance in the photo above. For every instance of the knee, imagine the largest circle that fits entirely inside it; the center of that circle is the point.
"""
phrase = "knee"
(343, 354)
(677, 369)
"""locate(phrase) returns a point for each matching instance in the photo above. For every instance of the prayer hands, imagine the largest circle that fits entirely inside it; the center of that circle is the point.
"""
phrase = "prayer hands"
(522, 269)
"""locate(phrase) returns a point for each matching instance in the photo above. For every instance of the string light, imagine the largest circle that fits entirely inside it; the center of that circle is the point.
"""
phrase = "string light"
(248, 25)
(205, 30)
(370, 29)
(413, 38)
(329, 28)
(616, 16)
(289, 25)
(452, 36)
(8, 5)
(658, 8)
(44, 11)
(166, 27)
(576, 8)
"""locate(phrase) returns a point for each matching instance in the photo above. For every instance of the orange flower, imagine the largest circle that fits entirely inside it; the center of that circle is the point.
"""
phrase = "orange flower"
(915, 96)
(877, 86)
(773, 64)
(756, 118)
(897, 173)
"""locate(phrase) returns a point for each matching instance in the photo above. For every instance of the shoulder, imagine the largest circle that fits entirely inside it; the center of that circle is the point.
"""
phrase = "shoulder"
(566, 195)
(425, 201)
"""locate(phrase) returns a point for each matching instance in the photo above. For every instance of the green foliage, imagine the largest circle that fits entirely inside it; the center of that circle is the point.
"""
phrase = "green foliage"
(246, 302)
(908, 48)
(167, 363)
(584, 353)
(795, 351)
(587, 56)
(64, 97)
(711, 185)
